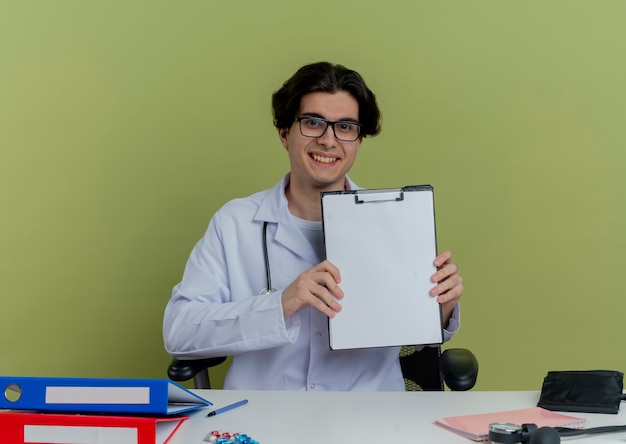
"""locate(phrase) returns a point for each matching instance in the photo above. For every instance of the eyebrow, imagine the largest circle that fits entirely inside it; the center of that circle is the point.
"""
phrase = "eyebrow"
(343, 119)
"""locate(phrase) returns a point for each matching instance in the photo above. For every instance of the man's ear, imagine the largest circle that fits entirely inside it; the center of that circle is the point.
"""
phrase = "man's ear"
(282, 135)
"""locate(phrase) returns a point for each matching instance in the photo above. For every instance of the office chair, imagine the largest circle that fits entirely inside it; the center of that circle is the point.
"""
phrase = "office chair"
(424, 369)
(429, 369)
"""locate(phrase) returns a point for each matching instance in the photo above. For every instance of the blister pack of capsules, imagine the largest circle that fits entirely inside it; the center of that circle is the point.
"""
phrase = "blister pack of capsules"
(220, 437)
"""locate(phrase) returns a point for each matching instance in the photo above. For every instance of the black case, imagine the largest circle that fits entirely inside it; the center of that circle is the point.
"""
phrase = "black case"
(587, 391)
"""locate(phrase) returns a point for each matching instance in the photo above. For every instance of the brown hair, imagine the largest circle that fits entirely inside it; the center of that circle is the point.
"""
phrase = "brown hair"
(325, 77)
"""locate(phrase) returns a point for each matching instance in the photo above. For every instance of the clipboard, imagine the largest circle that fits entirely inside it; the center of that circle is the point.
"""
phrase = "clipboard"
(384, 243)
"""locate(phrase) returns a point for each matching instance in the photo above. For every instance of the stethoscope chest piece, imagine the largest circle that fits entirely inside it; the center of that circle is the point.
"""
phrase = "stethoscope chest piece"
(505, 433)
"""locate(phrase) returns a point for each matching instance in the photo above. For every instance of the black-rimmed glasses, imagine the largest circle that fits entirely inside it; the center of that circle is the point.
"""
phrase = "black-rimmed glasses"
(315, 127)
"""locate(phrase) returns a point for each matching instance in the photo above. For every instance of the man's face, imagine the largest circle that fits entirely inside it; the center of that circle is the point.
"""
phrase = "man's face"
(322, 163)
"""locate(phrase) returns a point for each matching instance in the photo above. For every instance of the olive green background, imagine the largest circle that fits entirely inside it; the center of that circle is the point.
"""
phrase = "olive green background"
(124, 125)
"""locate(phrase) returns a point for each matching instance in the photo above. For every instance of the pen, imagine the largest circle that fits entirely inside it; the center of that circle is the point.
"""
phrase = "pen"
(227, 407)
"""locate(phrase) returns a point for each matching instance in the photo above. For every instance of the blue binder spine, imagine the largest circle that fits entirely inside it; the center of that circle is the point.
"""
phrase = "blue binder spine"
(101, 395)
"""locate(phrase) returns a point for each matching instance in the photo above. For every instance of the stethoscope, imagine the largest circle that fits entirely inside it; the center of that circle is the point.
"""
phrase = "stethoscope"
(268, 273)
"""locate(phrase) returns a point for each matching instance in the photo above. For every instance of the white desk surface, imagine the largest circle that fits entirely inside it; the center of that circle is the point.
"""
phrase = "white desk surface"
(275, 417)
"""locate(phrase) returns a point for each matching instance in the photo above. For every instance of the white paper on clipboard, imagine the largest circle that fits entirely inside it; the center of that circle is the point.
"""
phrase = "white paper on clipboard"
(384, 243)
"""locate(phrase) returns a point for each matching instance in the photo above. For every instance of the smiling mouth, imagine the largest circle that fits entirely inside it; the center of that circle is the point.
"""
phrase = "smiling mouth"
(323, 159)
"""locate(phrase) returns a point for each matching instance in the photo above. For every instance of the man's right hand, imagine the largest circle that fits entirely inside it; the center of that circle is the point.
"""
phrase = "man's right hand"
(316, 287)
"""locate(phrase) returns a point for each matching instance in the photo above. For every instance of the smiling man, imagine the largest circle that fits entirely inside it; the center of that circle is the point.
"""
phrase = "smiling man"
(255, 286)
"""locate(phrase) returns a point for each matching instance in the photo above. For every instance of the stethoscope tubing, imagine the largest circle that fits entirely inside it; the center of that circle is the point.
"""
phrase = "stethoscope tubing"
(268, 273)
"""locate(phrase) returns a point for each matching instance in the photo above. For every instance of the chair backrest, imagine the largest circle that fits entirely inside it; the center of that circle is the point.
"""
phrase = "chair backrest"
(196, 369)
(420, 368)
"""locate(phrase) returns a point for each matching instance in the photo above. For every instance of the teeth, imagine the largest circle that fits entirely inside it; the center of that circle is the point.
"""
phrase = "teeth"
(324, 159)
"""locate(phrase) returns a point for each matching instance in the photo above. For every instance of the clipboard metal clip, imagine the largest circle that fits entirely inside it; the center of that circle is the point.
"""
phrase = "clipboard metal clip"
(379, 196)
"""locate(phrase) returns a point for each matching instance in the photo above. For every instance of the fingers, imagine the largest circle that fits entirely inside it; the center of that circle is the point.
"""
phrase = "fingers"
(316, 287)
(445, 272)
(443, 258)
(449, 282)
(334, 272)
(324, 301)
(449, 290)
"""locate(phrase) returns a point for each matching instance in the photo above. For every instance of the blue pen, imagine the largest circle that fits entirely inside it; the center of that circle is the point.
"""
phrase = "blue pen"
(227, 407)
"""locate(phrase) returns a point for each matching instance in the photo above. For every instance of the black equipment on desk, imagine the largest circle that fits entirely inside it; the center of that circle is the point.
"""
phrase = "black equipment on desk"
(588, 391)
(506, 433)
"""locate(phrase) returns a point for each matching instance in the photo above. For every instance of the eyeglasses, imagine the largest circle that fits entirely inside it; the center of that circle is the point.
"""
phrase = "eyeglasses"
(315, 127)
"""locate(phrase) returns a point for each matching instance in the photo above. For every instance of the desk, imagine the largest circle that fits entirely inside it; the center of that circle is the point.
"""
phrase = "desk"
(273, 417)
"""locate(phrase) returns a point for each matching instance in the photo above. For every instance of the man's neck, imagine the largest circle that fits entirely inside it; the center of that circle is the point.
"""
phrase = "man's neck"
(304, 202)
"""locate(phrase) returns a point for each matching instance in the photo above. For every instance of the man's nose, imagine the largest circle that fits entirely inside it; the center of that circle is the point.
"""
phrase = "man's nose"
(328, 138)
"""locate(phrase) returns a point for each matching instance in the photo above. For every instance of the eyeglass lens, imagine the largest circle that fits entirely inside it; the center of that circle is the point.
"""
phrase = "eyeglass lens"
(316, 127)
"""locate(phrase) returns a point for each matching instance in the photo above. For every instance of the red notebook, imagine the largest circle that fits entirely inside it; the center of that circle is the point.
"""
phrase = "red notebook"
(476, 427)
(52, 428)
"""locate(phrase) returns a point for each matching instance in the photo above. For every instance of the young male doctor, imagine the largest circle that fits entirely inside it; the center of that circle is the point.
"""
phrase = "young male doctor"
(278, 337)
